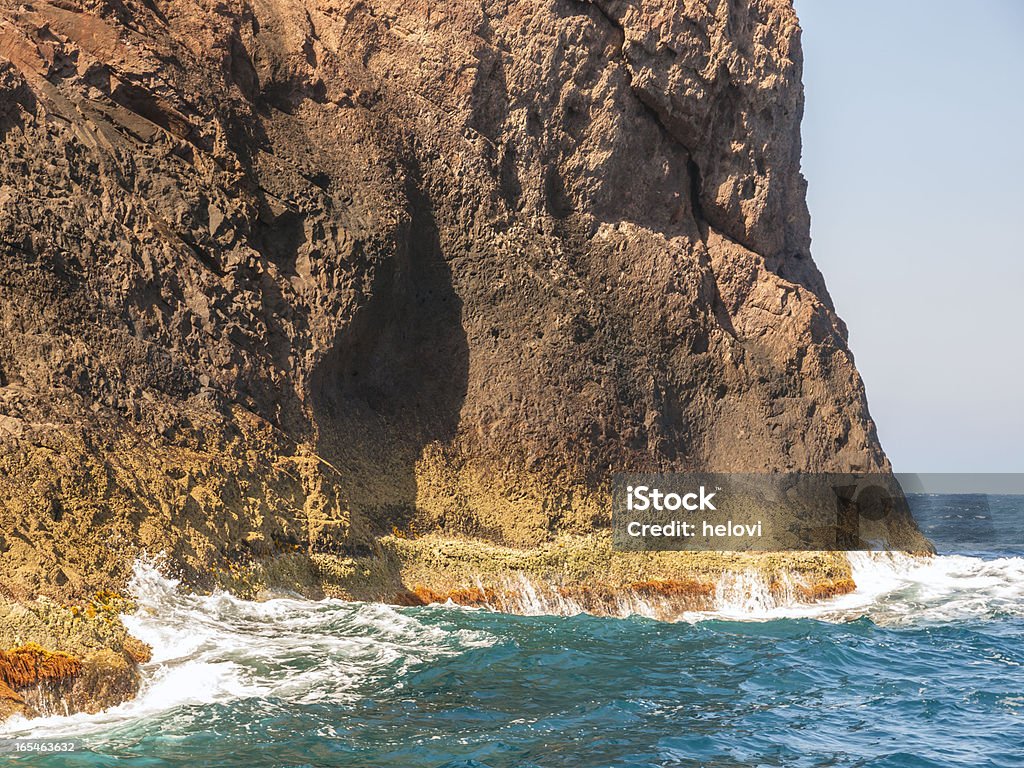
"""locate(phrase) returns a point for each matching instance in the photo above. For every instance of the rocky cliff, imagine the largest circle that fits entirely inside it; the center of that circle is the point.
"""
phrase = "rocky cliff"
(282, 277)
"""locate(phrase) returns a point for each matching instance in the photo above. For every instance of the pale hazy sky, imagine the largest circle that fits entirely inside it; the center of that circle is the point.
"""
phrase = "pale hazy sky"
(914, 156)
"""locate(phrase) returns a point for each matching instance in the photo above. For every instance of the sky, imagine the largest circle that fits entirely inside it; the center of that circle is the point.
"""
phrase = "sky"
(913, 149)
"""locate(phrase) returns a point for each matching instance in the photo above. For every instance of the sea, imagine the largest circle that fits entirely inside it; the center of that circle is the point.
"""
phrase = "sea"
(922, 666)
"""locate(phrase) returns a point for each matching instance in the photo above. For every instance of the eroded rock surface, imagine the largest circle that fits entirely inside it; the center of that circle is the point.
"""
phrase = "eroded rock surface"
(285, 275)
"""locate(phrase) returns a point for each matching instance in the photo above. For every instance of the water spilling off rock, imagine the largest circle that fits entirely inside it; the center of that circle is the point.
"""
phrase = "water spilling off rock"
(746, 593)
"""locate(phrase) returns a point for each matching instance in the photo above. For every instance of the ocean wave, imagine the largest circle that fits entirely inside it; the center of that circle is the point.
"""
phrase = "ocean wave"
(210, 649)
(893, 589)
(900, 589)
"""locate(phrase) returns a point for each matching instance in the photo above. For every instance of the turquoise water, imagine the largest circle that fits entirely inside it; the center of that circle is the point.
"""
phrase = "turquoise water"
(923, 666)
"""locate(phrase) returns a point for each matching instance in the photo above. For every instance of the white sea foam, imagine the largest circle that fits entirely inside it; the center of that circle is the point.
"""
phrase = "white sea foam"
(901, 589)
(892, 588)
(217, 648)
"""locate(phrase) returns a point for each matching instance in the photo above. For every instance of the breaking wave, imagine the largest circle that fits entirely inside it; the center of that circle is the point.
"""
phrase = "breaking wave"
(294, 682)
(218, 648)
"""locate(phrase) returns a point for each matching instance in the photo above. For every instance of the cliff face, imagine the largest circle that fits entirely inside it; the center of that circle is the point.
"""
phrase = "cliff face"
(284, 275)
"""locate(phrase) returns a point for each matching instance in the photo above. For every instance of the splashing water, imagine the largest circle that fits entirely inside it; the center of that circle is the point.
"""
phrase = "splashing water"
(216, 649)
(922, 665)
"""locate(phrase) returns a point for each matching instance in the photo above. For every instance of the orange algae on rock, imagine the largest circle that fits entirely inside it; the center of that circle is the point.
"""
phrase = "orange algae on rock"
(31, 664)
(825, 589)
(600, 598)
(422, 595)
(697, 590)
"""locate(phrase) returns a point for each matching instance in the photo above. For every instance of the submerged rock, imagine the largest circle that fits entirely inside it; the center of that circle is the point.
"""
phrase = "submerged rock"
(282, 277)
